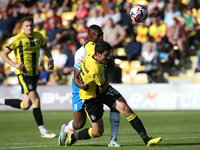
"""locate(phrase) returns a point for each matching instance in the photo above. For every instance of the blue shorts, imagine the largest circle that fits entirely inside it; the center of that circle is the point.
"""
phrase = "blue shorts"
(77, 104)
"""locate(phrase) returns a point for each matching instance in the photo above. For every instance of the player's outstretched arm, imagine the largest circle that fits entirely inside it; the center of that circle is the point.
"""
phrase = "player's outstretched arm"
(48, 54)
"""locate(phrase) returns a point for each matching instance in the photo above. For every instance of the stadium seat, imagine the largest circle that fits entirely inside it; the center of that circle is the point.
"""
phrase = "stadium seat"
(185, 2)
(42, 15)
(67, 16)
(8, 68)
(141, 2)
(124, 65)
(74, 6)
(126, 78)
(119, 52)
(126, 40)
(194, 12)
(140, 78)
(196, 78)
(135, 65)
(11, 80)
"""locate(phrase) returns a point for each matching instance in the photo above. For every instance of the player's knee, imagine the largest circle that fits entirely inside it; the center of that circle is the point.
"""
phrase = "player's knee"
(26, 107)
(98, 133)
(126, 108)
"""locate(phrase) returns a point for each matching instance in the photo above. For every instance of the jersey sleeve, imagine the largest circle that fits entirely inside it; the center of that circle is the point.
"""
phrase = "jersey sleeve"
(11, 43)
(78, 58)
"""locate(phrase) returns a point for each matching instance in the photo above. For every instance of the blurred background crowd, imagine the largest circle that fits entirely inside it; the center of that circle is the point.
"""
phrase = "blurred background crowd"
(163, 46)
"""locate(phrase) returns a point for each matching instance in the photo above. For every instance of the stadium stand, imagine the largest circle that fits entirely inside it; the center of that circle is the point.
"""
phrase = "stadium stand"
(178, 72)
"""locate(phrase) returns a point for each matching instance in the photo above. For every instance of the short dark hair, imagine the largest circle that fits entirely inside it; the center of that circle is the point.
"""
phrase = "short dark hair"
(93, 28)
(102, 46)
(26, 18)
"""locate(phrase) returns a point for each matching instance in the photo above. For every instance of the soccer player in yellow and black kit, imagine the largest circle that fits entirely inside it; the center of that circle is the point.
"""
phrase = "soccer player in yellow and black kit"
(99, 93)
(26, 46)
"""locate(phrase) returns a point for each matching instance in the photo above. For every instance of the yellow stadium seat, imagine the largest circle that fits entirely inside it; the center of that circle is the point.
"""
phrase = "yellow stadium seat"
(126, 78)
(11, 80)
(67, 16)
(194, 12)
(185, 2)
(119, 52)
(198, 13)
(140, 78)
(135, 65)
(196, 78)
(124, 65)
(8, 68)
(74, 7)
(141, 2)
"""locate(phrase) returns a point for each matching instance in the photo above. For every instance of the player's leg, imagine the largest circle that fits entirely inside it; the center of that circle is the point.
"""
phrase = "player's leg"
(79, 113)
(17, 103)
(114, 117)
(94, 110)
(135, 122)
(34, 97)
(114, 99)
(85, 134)
(77, 123)
(79, 116)
(114, 121)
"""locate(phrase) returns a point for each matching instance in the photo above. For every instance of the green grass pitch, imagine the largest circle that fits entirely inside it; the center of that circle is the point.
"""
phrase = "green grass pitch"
(180, 130)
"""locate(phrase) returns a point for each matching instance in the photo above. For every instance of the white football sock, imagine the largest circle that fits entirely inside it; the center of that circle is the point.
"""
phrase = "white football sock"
(114, 121)
(69, 127)
(2, 101)
(42, 129)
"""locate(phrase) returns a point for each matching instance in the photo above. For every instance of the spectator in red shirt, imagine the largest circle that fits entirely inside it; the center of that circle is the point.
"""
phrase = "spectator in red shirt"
(82, 12)
(84, 31)
(56, 17)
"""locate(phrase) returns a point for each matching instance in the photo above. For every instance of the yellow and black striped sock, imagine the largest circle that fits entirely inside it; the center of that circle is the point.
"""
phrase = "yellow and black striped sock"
(37, 115)
(83, 135)
(138, 126)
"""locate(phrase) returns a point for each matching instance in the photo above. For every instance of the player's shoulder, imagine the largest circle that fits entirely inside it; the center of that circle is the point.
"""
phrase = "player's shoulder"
(88, 43)
(36, 33)
(15, 38)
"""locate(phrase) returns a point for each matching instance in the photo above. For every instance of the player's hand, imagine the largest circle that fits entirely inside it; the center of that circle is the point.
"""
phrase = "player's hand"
(84, 86)
(50, 65)
(19, 66)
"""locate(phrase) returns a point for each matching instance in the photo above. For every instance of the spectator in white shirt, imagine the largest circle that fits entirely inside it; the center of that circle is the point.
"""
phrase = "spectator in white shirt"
(97, 17)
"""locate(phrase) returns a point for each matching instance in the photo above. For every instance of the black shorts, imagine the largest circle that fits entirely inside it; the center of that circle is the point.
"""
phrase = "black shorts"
(28, 83)
(94, 106)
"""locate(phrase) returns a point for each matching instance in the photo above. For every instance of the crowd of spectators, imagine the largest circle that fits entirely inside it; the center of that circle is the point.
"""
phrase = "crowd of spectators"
(165, 36)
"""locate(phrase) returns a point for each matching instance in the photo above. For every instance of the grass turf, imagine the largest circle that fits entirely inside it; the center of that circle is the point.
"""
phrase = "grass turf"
(180, 130)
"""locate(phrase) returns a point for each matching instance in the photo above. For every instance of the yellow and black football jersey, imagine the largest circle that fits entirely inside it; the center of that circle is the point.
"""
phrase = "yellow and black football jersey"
(92, 73)
(27, 51)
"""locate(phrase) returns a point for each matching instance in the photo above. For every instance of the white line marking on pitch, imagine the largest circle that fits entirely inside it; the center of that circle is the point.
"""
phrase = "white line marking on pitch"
(82, 143)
